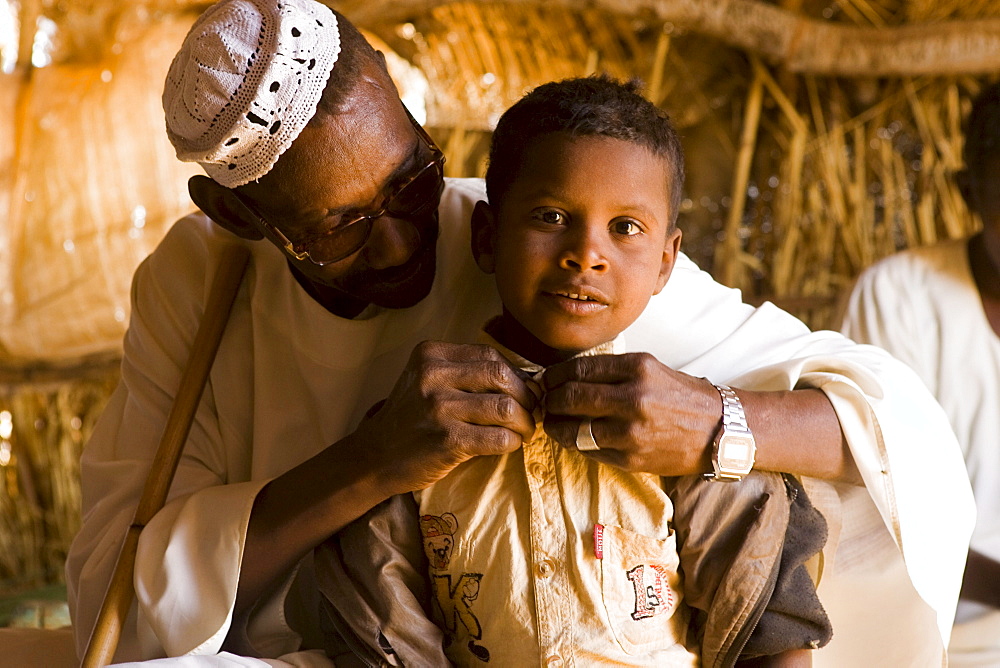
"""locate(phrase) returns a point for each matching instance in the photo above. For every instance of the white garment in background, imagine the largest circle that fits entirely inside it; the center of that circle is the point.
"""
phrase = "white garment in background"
(922, 305)
(290, 379)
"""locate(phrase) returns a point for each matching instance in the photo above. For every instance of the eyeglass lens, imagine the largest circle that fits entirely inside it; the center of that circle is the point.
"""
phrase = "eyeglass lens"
(414, 198)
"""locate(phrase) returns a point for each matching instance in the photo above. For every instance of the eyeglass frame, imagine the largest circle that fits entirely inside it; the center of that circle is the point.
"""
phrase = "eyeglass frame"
(437, 160)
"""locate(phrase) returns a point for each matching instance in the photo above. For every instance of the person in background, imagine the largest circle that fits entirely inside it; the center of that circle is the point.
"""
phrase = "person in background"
(360, 288)
(937, 308)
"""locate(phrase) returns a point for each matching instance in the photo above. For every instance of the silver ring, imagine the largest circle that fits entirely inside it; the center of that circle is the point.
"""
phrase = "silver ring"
(585, 437)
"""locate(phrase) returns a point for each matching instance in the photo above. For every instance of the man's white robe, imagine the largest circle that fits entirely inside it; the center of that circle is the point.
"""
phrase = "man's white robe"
(290, 379)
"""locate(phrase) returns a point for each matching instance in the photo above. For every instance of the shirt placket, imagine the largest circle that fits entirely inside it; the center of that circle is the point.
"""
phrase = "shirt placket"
(548, 553)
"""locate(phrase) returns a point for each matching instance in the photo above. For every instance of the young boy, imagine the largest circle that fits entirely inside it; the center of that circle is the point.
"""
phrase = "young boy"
(549, 555)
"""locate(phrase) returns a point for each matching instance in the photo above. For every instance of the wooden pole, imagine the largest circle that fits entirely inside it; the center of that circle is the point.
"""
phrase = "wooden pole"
(655, 91)
(120, 593)
(729, 263)
(793, 40)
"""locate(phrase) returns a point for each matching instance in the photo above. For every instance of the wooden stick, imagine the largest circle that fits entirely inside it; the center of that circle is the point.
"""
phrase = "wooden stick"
(728, 262)
(655, 91)
(118, 599)
(797, 42)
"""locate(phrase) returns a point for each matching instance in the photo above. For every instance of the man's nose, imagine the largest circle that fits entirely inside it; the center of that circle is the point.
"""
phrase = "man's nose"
(392, 243)
(583, 252)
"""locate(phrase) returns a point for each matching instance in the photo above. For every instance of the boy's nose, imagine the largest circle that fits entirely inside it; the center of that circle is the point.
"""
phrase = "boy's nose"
(584, 254)
(392, 243)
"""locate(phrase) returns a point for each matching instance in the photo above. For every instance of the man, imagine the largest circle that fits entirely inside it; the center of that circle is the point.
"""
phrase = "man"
(316, 166)
(950, 293)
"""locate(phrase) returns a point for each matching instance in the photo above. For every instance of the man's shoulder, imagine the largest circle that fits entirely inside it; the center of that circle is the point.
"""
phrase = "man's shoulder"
(690, 283)
(466, 188)
(457, 202)
(171, 287)
(193, 231)
(192, 241)
(186, 257)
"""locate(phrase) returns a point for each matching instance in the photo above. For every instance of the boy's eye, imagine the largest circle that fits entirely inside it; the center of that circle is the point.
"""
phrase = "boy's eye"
(550, 217)
(626, 228)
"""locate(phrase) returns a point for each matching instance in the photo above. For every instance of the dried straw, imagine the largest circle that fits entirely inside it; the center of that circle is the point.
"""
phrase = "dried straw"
(853, 187)
(50, 425)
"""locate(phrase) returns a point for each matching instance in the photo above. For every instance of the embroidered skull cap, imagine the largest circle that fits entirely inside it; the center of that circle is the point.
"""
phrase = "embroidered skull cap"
(246, 81)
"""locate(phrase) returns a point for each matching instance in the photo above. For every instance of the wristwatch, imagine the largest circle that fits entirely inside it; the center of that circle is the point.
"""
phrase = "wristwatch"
(734, 447)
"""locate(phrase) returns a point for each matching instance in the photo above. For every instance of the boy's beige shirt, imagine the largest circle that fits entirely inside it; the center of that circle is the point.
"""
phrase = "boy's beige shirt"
(545, 556)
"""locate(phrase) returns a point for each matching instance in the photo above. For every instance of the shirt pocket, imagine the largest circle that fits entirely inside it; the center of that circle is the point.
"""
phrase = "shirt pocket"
(641, 589)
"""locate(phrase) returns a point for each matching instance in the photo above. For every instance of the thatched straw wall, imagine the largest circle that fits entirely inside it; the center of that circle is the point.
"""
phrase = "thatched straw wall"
(820, 137)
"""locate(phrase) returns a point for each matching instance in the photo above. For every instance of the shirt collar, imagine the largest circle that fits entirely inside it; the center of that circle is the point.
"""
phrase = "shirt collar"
(612, 347)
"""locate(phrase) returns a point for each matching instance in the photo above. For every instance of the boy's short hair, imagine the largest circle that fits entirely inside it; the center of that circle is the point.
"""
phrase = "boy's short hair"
(982, 134)
(583, 107)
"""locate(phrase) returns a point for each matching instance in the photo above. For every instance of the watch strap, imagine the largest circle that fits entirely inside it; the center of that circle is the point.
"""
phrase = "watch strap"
(733, 417)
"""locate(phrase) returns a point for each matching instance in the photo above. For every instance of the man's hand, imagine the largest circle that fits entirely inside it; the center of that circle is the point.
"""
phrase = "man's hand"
(646, 416)
(452, 402)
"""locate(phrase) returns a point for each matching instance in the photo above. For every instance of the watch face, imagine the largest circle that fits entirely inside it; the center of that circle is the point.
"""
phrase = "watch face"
(736, 452)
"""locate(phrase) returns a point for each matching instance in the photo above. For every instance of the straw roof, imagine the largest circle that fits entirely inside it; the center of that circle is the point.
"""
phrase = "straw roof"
(781, 90)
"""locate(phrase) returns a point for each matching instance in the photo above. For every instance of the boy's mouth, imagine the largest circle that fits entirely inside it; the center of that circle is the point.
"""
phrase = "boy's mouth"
(577, 297)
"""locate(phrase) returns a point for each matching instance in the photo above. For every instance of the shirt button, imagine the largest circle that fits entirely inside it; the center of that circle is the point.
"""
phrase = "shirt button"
(554, 661)
(545, 568)
(537, 470)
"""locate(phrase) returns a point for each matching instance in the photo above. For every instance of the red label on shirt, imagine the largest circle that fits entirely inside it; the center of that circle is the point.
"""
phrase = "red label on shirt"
(599, 541)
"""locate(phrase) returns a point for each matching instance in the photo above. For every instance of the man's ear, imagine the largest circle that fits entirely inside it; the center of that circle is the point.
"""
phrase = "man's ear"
(671, 248)
(484, 236)
(223, 207)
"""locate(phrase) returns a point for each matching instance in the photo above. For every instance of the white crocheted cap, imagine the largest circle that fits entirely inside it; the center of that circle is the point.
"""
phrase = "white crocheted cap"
(246, 81)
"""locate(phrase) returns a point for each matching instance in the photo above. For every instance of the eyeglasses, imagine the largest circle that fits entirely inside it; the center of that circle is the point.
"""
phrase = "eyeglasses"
(414, 196)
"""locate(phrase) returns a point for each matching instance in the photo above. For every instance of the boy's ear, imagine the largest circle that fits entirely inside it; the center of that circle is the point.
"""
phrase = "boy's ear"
(484, 237)
(222, 207)
(671, 248)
